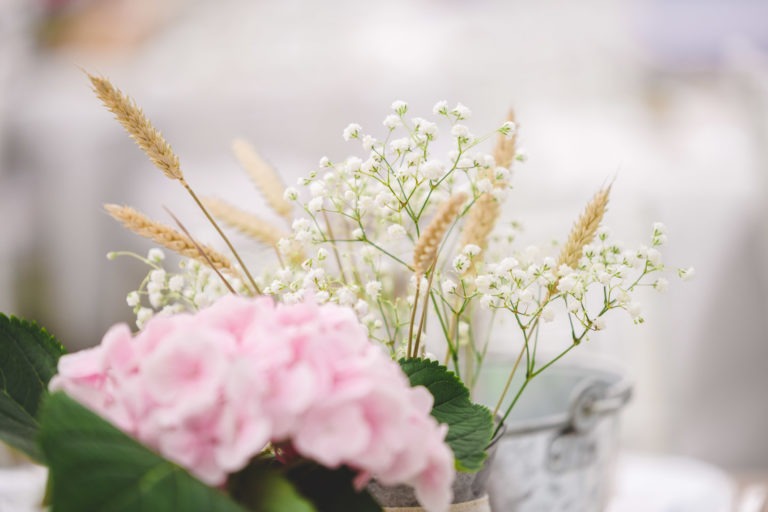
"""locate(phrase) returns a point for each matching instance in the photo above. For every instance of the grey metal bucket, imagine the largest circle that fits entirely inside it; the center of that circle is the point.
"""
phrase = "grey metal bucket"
(467, 487)
(559, 449)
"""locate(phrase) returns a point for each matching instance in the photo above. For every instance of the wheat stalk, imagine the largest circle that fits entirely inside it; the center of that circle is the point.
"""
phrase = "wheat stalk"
(264, 176)
(157, 149)
(483, 215)
(584, 229)
(425, 251)
(244, 222)
(481, 220)
(425, 255)
(168, 237)
(506, 147)
(141, 130)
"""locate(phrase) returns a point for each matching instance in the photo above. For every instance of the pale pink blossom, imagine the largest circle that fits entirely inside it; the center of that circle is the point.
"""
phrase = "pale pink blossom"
(209, 391)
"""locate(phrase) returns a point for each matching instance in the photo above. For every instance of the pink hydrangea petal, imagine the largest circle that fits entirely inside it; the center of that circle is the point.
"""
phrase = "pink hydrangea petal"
(209, 390)
(333, 436)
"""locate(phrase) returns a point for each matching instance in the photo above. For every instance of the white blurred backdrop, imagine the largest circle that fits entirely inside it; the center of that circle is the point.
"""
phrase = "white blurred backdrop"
(670, 98)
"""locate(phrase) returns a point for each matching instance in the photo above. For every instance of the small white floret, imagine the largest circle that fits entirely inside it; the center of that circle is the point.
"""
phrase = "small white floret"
(133, 299)
(440, 108)
(400, 107)
(460, 111)
(155, 255)
(176, 283)
(373, 289)
(352, 131)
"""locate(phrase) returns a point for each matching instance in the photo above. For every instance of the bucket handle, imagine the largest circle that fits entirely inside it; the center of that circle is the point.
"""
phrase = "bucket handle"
(594, 399)
(572, 447)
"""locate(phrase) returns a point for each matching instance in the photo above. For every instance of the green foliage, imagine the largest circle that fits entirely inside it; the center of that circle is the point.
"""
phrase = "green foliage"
(28, 359)
(260, 486)
(469, 425)
(95, 466)
(331, 490)
(303, 486)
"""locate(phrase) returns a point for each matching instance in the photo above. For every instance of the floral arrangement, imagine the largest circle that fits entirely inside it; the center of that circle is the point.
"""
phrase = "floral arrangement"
(209, 391)
(298, 385)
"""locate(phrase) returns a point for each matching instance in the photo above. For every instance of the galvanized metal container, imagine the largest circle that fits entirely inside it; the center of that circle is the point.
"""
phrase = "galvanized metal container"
(559, 449)
(470, 490)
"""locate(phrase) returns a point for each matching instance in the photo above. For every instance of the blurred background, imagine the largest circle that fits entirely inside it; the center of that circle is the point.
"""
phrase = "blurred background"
(670, 98)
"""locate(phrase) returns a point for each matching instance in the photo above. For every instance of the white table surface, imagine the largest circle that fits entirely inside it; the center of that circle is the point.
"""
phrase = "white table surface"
(644, 483)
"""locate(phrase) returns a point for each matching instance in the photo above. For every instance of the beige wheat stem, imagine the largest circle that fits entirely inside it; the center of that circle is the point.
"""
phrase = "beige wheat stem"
(244, 222)
(424, 309)
(409, 351)
(221, 234)
(483, 215)
(167, 236)
(138, 126)
(427, 246)
(583, 232)
(264, 176)
(201, 251)
(155, 146)
(425, 251)
(506, 147)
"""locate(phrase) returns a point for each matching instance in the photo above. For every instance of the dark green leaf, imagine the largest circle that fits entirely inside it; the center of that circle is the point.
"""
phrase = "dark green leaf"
(262, 488)
(95, 466)
(28, 359)
(331, 490)
(469, 425)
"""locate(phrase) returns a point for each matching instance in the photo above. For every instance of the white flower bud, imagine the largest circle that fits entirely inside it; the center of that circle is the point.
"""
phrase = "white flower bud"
(400, 107)
(461, 112)
(156, 299)
(143, 316)
(361, 307)
(396, 231)
(448, 286)
(392, 121)
(471, 250)
(460, 131)
(460, 263)
(133, 299)
(155, 255)
(352, 131)
(548, 314)
(176, 283)
(440, 108)
(654, 257)
(599, 324)
(686, 274)
(373, 289)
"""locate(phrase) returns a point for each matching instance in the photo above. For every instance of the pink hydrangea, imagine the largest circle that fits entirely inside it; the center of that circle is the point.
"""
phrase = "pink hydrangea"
(210, 390)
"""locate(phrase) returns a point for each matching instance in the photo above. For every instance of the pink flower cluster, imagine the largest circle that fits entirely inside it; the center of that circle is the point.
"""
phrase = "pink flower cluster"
(210, 390)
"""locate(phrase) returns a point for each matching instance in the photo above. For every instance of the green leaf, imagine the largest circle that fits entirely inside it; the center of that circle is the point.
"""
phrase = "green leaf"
(262, 488)
(469, 425)
(28, 359)
(95, 466)
(267, 485)
(331, 490)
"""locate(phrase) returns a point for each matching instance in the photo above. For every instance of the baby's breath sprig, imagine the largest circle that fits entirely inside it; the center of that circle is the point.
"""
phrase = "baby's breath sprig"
(397, 231)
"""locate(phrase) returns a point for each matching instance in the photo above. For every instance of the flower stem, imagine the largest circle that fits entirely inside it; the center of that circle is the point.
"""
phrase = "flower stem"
(221, 233)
